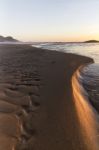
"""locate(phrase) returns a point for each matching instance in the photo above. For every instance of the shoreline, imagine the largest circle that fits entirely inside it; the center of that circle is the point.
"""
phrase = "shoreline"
(87, 114)
(36, 87)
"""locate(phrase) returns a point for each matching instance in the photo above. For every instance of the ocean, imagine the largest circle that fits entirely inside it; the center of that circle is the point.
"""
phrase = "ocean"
(88, 74)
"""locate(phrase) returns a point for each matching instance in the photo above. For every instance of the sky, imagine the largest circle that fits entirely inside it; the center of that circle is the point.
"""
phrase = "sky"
(50, 20)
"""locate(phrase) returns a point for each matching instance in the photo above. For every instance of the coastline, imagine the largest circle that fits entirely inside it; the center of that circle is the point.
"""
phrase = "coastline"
(36, 95)
(87, 114)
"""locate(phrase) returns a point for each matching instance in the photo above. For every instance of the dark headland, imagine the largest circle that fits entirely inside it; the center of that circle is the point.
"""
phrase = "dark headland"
(7, 39)
(37, 109)
(91, 41)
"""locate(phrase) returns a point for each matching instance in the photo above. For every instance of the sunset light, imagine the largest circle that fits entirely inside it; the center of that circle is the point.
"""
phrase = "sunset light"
(58, 20)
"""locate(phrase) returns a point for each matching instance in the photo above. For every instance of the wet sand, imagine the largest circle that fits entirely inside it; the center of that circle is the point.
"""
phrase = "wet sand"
(37, 110)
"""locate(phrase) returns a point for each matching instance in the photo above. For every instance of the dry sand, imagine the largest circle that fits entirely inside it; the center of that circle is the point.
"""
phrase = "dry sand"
(37, 111)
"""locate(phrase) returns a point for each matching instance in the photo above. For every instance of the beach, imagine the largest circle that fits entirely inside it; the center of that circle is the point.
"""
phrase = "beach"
(37, 108)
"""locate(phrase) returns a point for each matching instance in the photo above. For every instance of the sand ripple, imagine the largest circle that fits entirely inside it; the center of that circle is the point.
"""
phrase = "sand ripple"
(19, 100)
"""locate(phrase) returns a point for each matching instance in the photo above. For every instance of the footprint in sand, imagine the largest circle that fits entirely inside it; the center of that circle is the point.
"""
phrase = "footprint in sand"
(18, 102)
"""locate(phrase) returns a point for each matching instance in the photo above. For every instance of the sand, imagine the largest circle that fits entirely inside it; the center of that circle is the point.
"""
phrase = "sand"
(37, 110)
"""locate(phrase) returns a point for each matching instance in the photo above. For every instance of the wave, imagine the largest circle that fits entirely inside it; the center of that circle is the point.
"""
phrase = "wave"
(87, 115)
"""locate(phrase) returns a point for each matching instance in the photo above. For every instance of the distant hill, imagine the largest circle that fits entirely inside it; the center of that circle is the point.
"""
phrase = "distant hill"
(91, 41)
(7, 39)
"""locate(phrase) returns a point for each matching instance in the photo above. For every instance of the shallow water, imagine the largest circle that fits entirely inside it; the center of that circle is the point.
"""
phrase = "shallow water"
(90, 80)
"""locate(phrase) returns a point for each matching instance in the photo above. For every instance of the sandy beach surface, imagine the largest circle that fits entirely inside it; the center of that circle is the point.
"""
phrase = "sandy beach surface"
(37, 111)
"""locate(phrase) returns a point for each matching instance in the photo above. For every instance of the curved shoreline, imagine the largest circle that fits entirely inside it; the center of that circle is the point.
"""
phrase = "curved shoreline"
(39, 82)
(88, 117)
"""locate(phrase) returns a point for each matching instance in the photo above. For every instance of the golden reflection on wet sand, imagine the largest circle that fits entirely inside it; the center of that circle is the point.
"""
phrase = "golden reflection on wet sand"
(86, 115)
